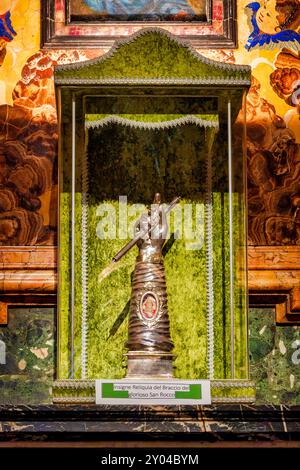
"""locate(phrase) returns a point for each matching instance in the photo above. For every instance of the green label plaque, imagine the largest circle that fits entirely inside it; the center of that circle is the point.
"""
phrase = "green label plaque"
(153, 392)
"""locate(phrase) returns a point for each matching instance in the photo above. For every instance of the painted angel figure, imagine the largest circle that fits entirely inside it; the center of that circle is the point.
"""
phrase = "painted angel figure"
(7, 31)
(275, 24)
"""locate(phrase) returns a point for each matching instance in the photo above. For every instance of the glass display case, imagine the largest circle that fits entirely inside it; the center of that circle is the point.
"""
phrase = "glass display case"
(152, 116)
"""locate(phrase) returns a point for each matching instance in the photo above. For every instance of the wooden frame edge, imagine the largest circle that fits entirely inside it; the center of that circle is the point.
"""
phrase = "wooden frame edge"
(50, 40)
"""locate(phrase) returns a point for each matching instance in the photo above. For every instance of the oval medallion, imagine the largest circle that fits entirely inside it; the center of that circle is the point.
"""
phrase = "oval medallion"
(149, 308)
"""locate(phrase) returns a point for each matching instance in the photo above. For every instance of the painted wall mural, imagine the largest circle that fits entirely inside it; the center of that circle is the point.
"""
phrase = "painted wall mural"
(273, 126)
(27, 357)
(28, 132)
(285, 80)
(7, 32)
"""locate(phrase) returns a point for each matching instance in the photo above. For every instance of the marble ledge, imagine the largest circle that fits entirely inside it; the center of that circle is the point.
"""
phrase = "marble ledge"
(272, 258)
(28, 257)
(273, 280)
(212, 423)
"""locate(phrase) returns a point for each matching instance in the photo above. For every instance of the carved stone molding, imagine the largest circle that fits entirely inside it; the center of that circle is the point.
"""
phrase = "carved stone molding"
(27, 277)
(274, 279)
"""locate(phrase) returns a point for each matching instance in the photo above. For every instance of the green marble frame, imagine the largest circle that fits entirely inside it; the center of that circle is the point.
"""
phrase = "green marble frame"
(151, 63)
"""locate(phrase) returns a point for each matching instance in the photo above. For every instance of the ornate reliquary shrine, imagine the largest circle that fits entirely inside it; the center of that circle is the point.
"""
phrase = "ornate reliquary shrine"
(152, 116)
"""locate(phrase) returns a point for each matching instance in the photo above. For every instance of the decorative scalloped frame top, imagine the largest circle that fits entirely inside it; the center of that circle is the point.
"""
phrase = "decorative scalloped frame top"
(152, 55)
(134, 123)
